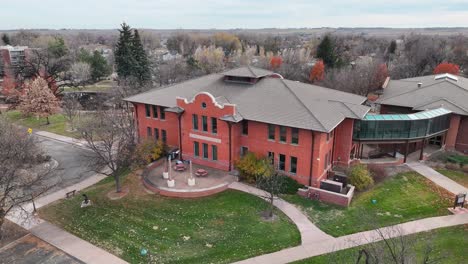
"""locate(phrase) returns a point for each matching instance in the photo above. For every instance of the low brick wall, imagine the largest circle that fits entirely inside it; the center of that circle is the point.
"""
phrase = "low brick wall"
(327, 196)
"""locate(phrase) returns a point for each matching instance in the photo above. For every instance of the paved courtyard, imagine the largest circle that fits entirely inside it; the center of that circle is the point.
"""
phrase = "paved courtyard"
(213, 179)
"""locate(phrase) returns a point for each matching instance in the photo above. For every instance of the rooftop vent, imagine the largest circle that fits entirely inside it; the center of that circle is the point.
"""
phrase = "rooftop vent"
(446, 76)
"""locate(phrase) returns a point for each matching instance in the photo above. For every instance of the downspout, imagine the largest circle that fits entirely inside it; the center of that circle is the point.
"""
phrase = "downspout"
(179, 117)
(230, 145)
(311, 157)
(333, 149)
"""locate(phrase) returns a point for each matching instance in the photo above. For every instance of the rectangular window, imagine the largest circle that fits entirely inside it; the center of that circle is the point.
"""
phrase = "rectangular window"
(244, 151)
(164, 136)
(282, 162)
(271, 132)
(155, 111)
(148, 132)
(245, 127)
(196, 149)
(163, 113)
(294, 135)
(293, 166)
(325, 165)
(205, 150)
(195, 122)
(148, 110)
(205, 123)
(271, 157)
(156, 134)
(282, 133)
(214, 152)
(214, 125)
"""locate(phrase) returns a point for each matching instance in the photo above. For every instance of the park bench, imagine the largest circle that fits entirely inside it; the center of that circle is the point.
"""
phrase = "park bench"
(70, 194)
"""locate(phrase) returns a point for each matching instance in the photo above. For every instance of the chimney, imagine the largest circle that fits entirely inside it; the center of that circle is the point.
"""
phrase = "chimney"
(419, 84)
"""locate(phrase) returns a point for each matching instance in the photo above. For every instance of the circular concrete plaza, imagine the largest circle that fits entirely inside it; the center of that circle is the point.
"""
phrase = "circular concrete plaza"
(214, 181)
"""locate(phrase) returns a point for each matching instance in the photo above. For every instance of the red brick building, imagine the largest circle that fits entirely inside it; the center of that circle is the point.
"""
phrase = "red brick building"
(217, 118)
(430, 92)
(10, 59)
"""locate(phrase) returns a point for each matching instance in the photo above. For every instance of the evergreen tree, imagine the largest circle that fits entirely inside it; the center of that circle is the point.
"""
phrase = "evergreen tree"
(99, 66)
(325, 51)
(141, 70)
(6, 39)
(124, 59)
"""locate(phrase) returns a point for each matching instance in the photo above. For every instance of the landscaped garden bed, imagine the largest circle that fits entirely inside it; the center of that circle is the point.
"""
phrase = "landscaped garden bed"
(401, 198)
(219, 229)
(448, 246)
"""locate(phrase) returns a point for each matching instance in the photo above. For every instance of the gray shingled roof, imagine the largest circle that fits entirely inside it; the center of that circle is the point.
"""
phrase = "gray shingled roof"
(446, 93)
(270, 100)
(248, 71)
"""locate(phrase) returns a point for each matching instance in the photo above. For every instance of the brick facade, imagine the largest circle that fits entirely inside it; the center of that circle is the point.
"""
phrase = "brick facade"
(314, 151)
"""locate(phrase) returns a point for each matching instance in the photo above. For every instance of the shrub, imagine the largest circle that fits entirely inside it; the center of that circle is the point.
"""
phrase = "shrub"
(459, 159)
(148, 150)
(452, 166)
(250, 166)
(360, 177)
(465, 168)
(378, 173)
(287, 185)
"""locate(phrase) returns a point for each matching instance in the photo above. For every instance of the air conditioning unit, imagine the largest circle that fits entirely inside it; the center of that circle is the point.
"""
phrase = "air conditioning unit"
(332, 186)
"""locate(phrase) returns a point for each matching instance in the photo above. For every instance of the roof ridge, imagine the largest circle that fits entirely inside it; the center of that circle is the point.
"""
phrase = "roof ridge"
(417, 88)
(444, 99)
(248, 67)
(302, 103)
(172, 84)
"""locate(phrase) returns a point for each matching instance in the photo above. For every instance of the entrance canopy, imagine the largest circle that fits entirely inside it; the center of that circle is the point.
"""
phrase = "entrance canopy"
(402, 126)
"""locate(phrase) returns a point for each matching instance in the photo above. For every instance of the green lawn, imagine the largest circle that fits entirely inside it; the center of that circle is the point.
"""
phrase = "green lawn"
(101, 86)
(219, 229)
(458, 176)
(401, 198)
(449, 245)
(58, 123)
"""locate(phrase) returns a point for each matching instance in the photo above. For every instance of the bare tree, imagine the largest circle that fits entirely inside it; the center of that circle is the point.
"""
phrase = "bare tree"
(110, 135)
(24, 174)
(71, 107)
(273, 184)
(80, 73)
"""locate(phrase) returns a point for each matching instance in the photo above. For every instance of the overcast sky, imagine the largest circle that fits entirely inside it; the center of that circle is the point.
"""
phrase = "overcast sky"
(205, 14)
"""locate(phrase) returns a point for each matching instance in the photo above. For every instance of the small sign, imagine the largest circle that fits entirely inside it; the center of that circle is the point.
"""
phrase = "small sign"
(459, 200)
(29, 131)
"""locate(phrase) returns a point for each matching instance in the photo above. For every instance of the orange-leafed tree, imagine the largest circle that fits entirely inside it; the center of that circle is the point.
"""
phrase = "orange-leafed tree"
(446, 67)
(275, 62)
(38, 99)
(380, 75)
(318, 72)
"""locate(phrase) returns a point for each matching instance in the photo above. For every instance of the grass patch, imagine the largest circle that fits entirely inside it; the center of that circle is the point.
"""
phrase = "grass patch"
(58, 123)
(458, 176)
(449, 245)
(401, 198)
(101, 86)
(222, 228)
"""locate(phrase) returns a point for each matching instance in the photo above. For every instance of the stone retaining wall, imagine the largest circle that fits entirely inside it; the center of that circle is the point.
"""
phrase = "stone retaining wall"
(327, 196)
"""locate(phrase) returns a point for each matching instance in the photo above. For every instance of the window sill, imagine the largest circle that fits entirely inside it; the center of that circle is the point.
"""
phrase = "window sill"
(283, 142)
(295, 144)
(271, 140)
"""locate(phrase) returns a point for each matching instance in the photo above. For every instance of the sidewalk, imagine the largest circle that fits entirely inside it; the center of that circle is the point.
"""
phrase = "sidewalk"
(70, 140)
(362, 238)
(309, 232)
(438, 178)
(69, 243)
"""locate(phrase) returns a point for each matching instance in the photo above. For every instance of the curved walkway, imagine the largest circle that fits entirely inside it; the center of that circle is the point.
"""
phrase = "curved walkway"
(362, 238)
(309, 232)
(439, 179)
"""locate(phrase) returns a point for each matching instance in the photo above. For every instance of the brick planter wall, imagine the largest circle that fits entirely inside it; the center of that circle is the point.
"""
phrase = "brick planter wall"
(327, 196)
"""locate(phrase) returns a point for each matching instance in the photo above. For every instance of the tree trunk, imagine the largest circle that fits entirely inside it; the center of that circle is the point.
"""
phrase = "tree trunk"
(117, 183)
(2, 220)
(47, 118)
(270, 213)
